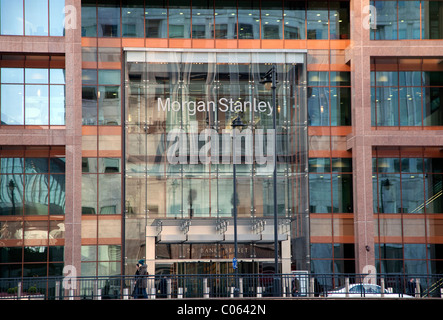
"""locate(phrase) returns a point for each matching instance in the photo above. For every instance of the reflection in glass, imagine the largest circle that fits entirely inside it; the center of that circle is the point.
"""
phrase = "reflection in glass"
(225, 19)
(248, 20)
(340, 106)
(12, 104)
(36, 105)
(109, 108)
(36, 194)
(36, 17)
(108, 18)
(11, 193)
(109, 194)
(89, 194)
(202, 19)
(386, 106)
(408, 20)
(410, 106)
(57, 105)
(318, 106)
(156, 20)
(89, 105)
(56, 18)
(320, 193)
(294, 19)
(271, 20)
(179, 19)
(386, 15)
(89, 18)
(12, 75)
(11, 17)
(132, 18)
(389, 200)
(317, 20)
(432, 12)
(339, 19)
(36, 75)
(433, 113)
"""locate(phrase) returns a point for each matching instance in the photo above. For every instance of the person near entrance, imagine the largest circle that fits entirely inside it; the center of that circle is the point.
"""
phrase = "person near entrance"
(141, 280)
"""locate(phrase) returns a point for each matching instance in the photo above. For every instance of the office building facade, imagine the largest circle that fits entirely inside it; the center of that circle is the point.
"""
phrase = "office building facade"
(194, 133)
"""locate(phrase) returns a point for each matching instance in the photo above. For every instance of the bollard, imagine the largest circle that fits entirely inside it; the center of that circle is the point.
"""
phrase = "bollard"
(169, 288)
(19, 290)
(99, 294)
(126, 294)
(205, 288)
(232, 289)
(382, 285)
(347, 287)
(417, 288)
(153, 293)
(259, 292)
(180, 293)
(240, 284)
(57, 290)
(312, 287)
(71, 294)
(95, 290)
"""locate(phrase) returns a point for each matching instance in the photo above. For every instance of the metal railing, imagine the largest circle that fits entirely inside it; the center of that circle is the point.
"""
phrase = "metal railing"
(207, 286)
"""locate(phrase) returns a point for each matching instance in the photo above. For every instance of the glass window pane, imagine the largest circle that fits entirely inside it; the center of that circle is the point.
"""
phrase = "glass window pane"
(57, 194)
(109, 194)
(109, 77)
(386, 15)
(342, 193)
(434, 200)
(320, 196)
(272, 19)
(432, 12)
(318, 78)
(340, 78)
(179, 19)
(225, 19)
(388, 165)
(320, 165)
(408, 20)
(156, 20)
(386, 78)
(108, 18)
(294, 19)
(410, 106)
(57, 17)
(317, 20)
(57, 105)
(339, 19)
(410, 78)
(89, 105)
(36, 105)
(89, 18)
(132, 18)
(11, 17)
(35, 75)
(318, 106)
(248, 20)
(340, 106)
(12, 104)
(36, 165)
(89, 194)
(12, 75)
(11, 194)
(387, 106)
(433, 78)
(433, 113)
(412, 191)
(36, 17)
(389, 193)
(36, 194)
(202, 19)
(109, 108)
(57, 76)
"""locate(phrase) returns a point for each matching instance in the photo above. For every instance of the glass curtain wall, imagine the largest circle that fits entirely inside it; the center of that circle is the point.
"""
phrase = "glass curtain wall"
(180, 108)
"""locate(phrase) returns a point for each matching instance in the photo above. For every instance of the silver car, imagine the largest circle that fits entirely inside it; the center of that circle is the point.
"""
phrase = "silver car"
(364, 290)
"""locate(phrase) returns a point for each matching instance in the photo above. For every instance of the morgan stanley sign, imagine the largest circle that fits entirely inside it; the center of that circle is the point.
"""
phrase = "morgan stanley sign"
(225, 148)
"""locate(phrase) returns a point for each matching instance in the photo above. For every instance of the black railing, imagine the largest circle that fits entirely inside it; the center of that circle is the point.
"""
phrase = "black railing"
(207, 286)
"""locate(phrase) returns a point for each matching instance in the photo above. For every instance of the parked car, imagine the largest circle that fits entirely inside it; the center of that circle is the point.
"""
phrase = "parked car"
(364, 290)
